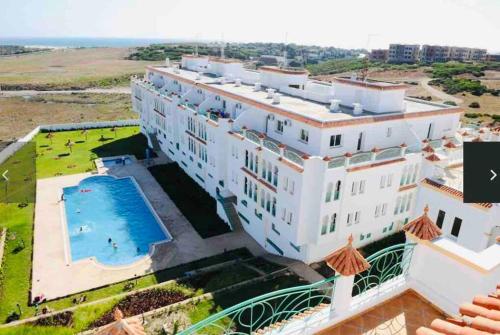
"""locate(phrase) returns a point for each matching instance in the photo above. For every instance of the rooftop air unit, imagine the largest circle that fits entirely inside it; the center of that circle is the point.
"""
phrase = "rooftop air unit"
(270, 93)
(237, 82)
(257, 87)
(335, 105)
(357, 108)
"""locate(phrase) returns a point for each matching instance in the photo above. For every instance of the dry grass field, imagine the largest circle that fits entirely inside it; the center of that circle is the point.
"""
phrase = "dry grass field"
(19, 115)
(69, 68)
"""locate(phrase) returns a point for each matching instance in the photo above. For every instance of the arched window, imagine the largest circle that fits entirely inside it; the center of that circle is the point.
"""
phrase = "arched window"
(264, 169)
(398, 203)
(255, 192)
(409, 175)
(256, 164)
(337, 191)
(329, 190)
(268, 203)
(262, 198)
(251, 161)
(245, 189)
(269, 172)
(246, 158)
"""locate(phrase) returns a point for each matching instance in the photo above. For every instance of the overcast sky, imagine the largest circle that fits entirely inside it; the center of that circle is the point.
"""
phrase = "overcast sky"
(341, 23)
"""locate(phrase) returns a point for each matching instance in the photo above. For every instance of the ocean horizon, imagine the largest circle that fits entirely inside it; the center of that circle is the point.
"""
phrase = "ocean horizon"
(84, 42)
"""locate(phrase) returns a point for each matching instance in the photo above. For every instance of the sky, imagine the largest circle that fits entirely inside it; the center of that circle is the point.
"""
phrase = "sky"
(341, 23)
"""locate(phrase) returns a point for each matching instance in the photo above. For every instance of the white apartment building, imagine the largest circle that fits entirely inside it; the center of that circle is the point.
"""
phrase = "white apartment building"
(302, 164)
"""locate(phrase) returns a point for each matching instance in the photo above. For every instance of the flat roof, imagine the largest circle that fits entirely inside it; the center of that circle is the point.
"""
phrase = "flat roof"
(307, 111)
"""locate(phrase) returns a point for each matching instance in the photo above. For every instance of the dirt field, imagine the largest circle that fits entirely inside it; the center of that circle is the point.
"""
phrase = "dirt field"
(65, 68)
(19, 115)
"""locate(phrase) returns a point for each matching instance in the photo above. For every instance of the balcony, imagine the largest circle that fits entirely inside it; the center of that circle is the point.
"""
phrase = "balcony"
(292, 155)
(374, 156)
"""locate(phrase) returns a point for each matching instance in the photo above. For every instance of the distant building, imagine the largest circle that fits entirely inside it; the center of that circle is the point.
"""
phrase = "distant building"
(379, 55)
(478, 54)
(435, 53)
(403, 53)
(493, 57)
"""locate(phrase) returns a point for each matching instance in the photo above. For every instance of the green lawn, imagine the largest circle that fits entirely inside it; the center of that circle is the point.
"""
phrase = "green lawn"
(56, 158)
(195, 203)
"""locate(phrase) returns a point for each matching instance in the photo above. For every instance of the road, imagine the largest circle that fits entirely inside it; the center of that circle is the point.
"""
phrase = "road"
(438, 93)
(118, 90)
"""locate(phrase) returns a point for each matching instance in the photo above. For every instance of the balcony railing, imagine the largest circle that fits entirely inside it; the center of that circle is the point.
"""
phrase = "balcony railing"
(364, 157)
(276, 307)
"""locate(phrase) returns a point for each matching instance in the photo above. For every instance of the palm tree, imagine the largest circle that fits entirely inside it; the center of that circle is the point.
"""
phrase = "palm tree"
(50, 135)
(85, 132)
(70, 144)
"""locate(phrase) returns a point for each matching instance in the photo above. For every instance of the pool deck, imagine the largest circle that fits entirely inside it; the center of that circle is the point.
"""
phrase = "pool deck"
(54, 275)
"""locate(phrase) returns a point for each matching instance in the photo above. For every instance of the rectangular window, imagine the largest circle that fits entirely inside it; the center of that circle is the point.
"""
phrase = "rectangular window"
(455, 230)
(290, 217)
(354, 188)
(382, 181)
(349, 219)
(384, 209)
(389, 132)
(440, 219)
(335, 140)
(333, 221)
(362, 186)
(324, 225)
(357, 217)
(377, 211)
(389, 180)
(279, 126)
(304, 135)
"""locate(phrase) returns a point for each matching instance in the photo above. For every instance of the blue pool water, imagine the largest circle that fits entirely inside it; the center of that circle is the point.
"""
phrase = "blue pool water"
(116, 161)
(103, 207)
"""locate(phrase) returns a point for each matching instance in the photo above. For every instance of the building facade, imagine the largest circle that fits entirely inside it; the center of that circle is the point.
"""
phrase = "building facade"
(303, 164)
(379, 55)
(439, 53)
(403, 53)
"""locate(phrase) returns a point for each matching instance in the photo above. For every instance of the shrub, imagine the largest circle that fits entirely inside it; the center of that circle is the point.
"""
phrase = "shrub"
(451, 103)
(471, 115)
(474, 105)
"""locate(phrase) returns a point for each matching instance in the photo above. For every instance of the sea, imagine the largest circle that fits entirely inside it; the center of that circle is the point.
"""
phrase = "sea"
(84, 42)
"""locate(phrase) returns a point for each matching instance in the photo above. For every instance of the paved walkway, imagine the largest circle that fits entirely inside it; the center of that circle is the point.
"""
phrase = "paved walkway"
(54, 275)
(438, 93)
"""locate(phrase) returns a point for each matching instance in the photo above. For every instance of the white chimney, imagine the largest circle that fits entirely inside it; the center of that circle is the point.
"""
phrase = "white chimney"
(357, 108)
(334, 105)
(276, 98)
(167, 62)
(256, 87)
(270, 92)
(237, 82)
(198, 76)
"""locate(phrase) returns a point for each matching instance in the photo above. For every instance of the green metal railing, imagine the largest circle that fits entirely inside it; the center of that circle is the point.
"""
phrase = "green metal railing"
(387, 264)
(269, 309)
(265, 310)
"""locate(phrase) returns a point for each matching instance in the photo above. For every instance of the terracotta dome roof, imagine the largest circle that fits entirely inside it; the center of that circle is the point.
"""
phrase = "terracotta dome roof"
(428, 148)
(347, 260)
(433, 158)
(423, 227)
(450, 145)
(120, 326)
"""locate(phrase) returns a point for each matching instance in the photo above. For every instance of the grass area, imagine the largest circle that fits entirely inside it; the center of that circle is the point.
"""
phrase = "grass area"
(196, 204)
(19, 115)
(56, 158)
(69, 69)
(225, 300)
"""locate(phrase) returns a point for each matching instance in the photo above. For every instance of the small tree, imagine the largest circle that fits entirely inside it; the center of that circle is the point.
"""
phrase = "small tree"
(50, 135)
(70, 144)
(85, 133)
(474, 105)
(114, 130)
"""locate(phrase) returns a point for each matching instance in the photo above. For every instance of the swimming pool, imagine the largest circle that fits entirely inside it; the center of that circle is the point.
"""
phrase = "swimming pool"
(100, 208)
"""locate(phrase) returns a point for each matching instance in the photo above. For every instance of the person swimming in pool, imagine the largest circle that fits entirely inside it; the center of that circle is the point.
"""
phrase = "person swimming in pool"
(110, 240)
(138, 250)
(115, 246)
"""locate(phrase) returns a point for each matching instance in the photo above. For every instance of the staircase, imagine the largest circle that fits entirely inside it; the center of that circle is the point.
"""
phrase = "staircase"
(154, 142)
(228, 204)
